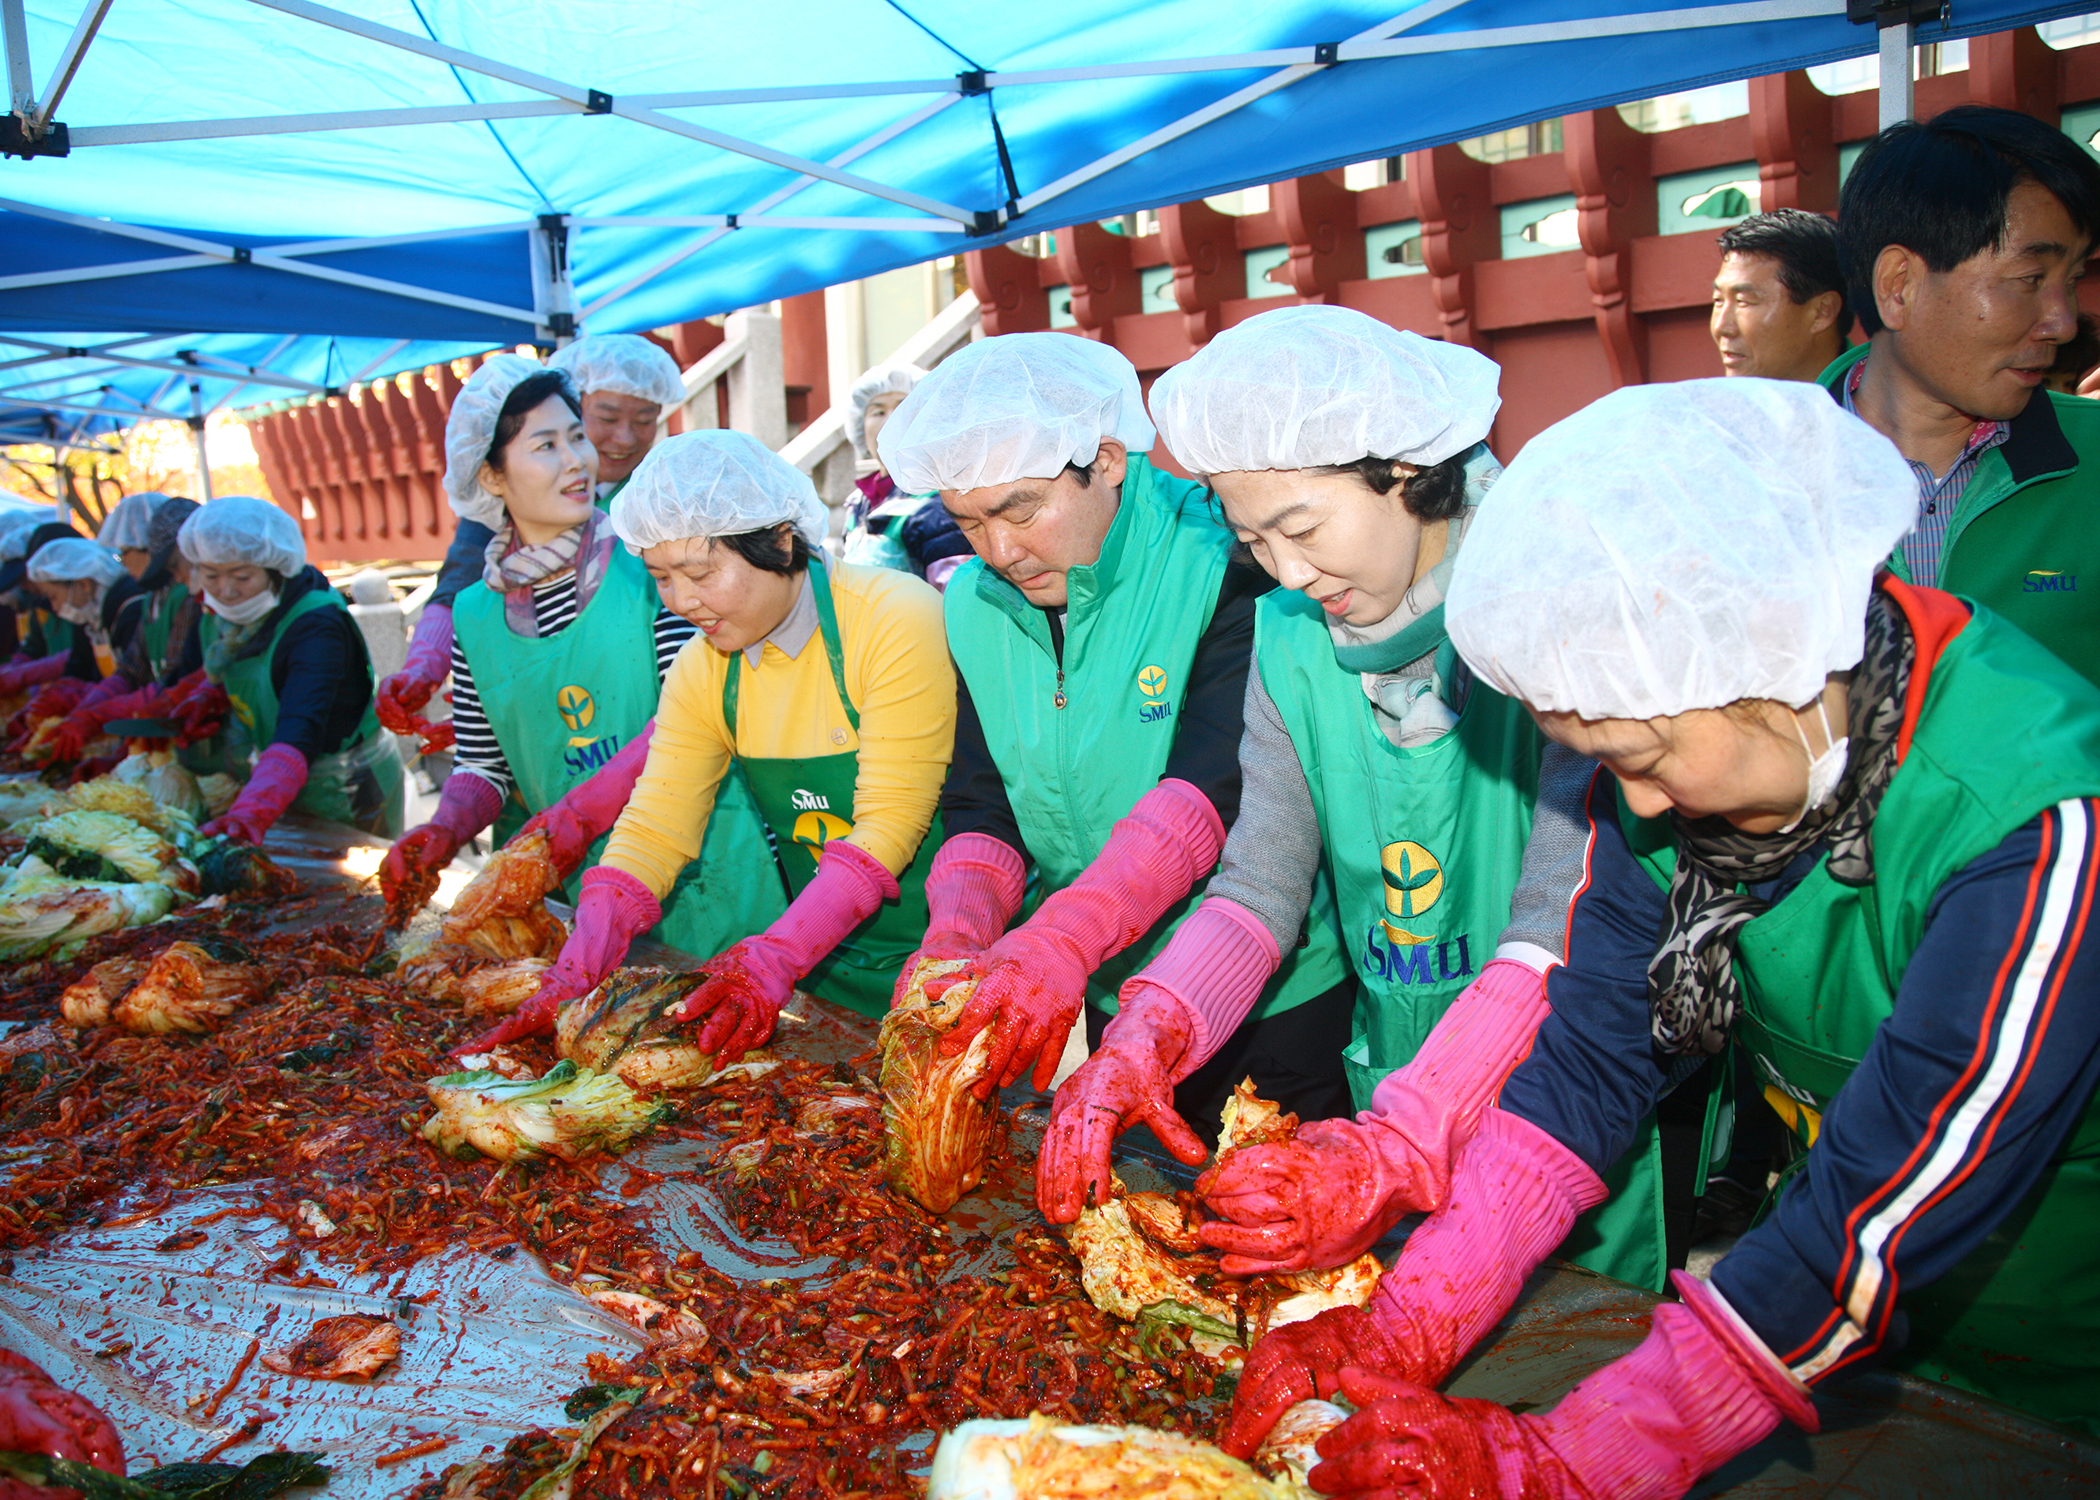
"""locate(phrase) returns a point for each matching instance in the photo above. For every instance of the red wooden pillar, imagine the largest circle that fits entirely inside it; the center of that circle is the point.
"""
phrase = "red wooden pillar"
(348, 479)
(430, 448)
(1460, 228)
(1008, 290)
(1204, 251)
(324, 477)
(1096, 263)
(1797, 155)
(805, 354)
(1319, 220)
(305, 475)
(391, 412)
(371, 447)
(265, 433)
(1614, 185)
(2017, 70)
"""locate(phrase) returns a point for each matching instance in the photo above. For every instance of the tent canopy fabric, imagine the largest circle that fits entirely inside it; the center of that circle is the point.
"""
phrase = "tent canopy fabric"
(493, 171)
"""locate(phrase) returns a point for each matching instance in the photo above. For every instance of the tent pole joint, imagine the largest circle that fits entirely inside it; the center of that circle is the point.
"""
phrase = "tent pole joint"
(597, 102)
(19, 137)
(1326, 54)
(985, 221)
(972, 83)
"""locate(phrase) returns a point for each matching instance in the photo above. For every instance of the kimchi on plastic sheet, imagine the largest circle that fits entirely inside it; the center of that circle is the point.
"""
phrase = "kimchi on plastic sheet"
(939, 1134)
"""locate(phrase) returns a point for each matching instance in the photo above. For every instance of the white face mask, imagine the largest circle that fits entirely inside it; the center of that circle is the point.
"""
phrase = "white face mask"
(83, 615)
(247, 612)
(1825, 771)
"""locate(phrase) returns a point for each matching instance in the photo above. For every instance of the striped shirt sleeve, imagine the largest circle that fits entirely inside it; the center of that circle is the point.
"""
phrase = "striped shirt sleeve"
(1963, 1097)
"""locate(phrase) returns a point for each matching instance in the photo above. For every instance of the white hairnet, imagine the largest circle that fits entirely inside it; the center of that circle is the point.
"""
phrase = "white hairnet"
(15, 527)
(883, 380)
(1303, 387)
(127, 525)
(70, 559)
(1681, 546)
(470, 427)
(1019, 406)
(239, 529)
(716, 482)
(624, 363)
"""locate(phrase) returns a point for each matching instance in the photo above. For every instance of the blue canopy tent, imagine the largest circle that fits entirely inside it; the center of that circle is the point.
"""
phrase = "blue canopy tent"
(439, 174)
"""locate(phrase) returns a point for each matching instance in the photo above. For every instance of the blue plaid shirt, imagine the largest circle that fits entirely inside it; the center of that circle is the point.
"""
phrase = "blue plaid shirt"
(1937, 495)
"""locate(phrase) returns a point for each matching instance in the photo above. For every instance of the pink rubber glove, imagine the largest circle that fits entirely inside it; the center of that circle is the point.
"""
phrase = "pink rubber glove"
(1326, 1197)
(429, 661)
(467, 805)
(749, 982)
(1172, 1017)
(279, 775)
(973, 888)
(612, 910)
(1033, 980)
(574, 823)
(1699, 1390)
(198, 706)
(31, 674)
(1514, 1197)
(84, 724)
(115, 685)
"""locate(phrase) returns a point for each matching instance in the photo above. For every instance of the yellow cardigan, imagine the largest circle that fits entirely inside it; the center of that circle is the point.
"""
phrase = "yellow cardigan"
(900, 677)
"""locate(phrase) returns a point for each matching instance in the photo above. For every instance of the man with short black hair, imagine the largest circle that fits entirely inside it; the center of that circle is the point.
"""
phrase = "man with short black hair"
(1963, 239)
(1779, 297)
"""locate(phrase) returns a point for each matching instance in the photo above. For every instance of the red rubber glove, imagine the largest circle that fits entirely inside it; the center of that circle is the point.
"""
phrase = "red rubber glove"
(1325, 1197)
(84, 724)
(29, 674)
(612, 910)
(973, 888)
(1699, 1390)
(429, 661)
(54, 700)
(589, 811)
(1033, 980)
(467, 805)
(1514, 1197)
(278, 778)
(749, 982)
(39, 1416)
(198, 706)
(1129, 1078)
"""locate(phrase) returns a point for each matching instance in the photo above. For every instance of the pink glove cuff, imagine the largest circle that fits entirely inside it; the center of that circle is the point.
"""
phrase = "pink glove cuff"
(1213, 967)
(628, 900)
(1193, 831)
(850, 884)
(430, 650)
(1756, 1358)
(115, 685)
(974, 887)
(467, 805)
(1437, 1099)
(36, 673)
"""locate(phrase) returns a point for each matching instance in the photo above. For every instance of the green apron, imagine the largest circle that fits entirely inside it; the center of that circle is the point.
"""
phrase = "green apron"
(359, 784)
(2018, 1319)
(562, 705)
(808, 801)
(157, 628)
(1424, 846)
(1078, 741)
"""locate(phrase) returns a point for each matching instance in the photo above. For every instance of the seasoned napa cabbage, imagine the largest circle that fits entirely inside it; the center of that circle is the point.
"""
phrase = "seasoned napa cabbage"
(620, 1028)
(1043, 1459)
(499, 989)
(570, 1113)
(502, 913)
(188, 988)
(94, 845)
(938, 1134)
(43, 912)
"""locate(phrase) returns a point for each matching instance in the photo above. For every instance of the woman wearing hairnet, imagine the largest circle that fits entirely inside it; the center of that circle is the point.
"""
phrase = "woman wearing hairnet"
(560, 654)
(1351, 458)
(58, 643)
(828, 691)
(280, 643)
(1845, 819)
(625, 384)
(152, 632)
(886, 528)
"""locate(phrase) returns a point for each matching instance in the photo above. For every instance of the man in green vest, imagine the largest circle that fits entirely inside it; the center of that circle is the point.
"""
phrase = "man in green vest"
(1963, 239)
(626, 384)
(1102, 638)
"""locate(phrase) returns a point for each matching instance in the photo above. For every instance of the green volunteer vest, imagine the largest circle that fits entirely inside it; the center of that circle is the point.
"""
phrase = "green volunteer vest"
(808, 800)
(1423, 847)
(57, 631)
(336, 787)
(1077, 746)
(562, 705)
(157, 627)
(2006, 732)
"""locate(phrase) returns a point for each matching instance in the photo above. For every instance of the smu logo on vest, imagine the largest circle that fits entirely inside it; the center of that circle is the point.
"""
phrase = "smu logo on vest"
(2045, 581)
(586, 752)
(1414, 882)
(1152, 687)
(817, 825)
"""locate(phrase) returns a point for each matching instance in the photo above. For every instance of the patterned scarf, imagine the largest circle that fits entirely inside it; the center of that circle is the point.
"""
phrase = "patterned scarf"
(511, 567)
(233, 640)
(1692, 987)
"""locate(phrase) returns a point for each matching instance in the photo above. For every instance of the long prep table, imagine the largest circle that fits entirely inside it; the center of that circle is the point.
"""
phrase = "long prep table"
(163, 1333)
